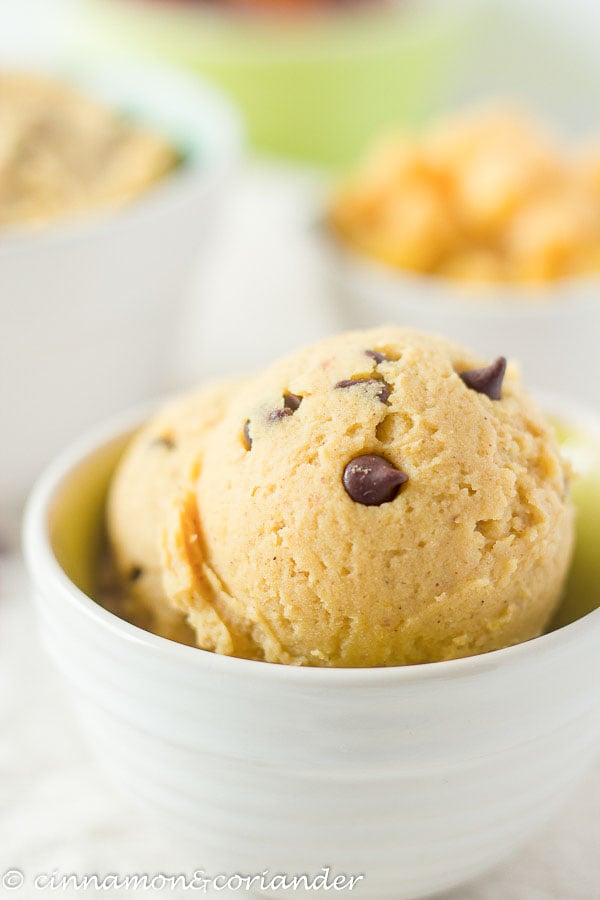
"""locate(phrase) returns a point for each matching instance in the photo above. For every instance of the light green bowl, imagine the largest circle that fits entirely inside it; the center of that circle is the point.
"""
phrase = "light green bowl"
(315, 90)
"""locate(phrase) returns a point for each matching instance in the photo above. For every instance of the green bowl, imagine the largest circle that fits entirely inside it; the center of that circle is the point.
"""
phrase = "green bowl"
(311, 89)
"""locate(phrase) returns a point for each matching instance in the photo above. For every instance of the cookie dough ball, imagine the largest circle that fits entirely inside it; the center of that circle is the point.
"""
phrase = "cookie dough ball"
(158, 462)
(380, 498)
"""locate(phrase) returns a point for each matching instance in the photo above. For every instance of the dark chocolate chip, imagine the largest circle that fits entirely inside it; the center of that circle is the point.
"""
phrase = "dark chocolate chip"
(135, 573)
(372, 480)
(278, 414)
(292, 401)
(164, 441)
(377, 356)
(382, 394)
(488, 380)
(247, 438)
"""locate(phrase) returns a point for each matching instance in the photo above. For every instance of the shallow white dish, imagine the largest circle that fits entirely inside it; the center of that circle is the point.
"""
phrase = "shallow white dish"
(417, 777)
(554, 332)
(88, 306)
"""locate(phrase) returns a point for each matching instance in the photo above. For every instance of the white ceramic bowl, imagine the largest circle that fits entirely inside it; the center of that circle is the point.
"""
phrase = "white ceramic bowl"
(88, 307)
(418, 777)
(553, 332)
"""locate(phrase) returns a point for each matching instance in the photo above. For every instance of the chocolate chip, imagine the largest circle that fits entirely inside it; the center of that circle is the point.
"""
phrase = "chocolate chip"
(292, 401)
(377, 356)
(278, 414)
(164, 441)
(382, 394)
(372, 480)
(487, 380)
(247, 438)
(135, 573)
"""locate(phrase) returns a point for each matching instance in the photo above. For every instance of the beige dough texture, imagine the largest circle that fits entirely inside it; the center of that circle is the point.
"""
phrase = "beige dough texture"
(268, 556)
(156, 466)
(64, 154)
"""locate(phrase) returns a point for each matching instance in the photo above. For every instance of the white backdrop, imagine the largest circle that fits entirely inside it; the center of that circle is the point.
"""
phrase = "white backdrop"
(261, 272)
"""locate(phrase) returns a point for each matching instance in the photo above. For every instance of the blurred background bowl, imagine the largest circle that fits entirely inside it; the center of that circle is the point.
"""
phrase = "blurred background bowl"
(89, 305)
(313, 87)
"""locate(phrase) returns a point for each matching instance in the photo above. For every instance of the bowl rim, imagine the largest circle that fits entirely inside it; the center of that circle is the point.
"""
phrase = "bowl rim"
(44, 569)
(197, 172)
(362, 274)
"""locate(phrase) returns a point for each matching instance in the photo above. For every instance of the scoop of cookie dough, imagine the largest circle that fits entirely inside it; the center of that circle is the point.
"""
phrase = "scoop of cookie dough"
(158, 463)
(380, 498)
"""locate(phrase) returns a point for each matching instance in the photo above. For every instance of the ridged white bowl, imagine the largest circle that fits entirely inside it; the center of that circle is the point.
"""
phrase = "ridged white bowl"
(419, 777)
